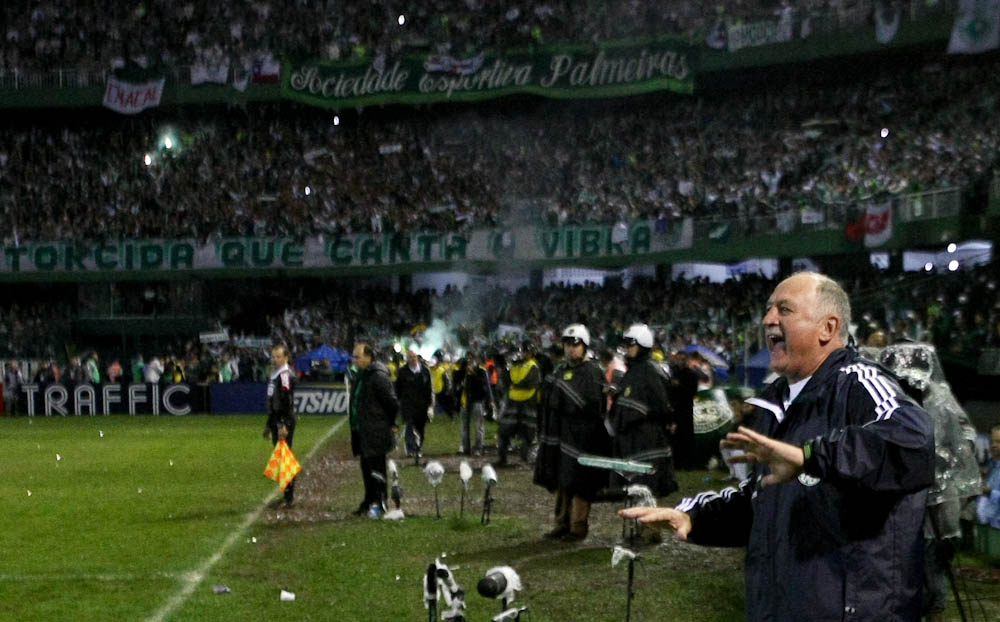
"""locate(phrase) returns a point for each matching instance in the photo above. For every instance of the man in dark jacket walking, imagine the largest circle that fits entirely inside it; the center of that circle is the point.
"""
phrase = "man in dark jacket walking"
(373, 409)
(832, 513)
(415, 395)
(475, 396)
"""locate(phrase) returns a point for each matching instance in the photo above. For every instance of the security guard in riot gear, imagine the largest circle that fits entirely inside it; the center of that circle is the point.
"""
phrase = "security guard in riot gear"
(571, 423)
(641, 414)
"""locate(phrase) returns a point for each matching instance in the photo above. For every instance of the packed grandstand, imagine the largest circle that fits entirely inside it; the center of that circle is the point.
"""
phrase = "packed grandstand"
(715, 168)
(66, 34)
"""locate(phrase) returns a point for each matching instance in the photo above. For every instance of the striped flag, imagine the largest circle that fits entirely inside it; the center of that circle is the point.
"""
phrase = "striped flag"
(282, 467)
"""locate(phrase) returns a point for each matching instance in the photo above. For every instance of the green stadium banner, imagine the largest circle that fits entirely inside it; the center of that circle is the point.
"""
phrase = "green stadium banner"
(576, 71)
(520, 244)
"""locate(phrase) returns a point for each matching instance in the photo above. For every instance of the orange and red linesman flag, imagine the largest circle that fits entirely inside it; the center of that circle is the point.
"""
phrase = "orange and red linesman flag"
(282, 467)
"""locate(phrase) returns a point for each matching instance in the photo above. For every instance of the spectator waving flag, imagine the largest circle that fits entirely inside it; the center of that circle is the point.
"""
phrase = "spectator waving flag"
(282, 467)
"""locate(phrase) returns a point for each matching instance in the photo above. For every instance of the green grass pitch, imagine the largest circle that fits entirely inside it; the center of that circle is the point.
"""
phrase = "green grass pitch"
(139, 518)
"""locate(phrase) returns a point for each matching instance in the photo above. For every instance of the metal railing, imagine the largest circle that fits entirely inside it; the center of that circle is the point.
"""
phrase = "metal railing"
(929, 205)
(912, 207)
(16, 79)
(54, 79)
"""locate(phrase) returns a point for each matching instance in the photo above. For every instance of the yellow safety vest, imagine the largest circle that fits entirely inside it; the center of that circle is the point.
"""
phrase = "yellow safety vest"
(518, 373)
(437, 378)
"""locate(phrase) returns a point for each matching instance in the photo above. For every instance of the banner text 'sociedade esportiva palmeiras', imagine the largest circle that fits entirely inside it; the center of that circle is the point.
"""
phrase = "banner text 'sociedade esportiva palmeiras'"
(576, 71)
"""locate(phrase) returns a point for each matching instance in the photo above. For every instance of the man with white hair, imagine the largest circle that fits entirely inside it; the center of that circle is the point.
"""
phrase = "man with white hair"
(832, 512)
(416, 399)
(153, 370)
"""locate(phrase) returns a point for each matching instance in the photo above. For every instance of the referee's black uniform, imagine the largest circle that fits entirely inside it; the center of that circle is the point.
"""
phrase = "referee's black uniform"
(281, 411)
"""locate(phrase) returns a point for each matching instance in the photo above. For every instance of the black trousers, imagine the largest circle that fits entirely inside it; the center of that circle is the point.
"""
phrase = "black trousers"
(416, 423)
(375, 490)
(519, 420)
(290, 490)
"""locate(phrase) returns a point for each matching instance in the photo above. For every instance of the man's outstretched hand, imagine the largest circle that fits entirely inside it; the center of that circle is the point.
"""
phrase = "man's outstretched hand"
(784, 459)
(677, 520)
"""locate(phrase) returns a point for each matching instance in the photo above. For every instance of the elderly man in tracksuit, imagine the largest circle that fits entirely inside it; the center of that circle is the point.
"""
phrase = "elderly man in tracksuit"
(833, 510)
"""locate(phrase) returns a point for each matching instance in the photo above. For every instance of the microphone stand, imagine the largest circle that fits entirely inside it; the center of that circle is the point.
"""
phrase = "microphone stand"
(431, 592)
(617, 555)
(487, 505)
(631, 588)
(631, 524)
(627, 469)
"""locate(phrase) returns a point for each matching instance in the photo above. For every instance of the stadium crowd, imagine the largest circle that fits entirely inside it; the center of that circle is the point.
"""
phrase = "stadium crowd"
(287, 170)
(284, 169)
(959, 312)
(71, 34)
(31, 329)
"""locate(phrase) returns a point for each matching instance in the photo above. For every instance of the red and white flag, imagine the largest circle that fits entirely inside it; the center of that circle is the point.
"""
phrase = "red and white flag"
(265, 69)
(878, 224)
(130, 98)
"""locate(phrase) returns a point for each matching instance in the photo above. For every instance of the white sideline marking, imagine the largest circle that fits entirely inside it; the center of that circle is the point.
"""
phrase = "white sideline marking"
(71, 577)
(193, 577)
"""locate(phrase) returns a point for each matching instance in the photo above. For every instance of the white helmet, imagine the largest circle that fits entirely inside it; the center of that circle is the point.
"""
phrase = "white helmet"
(577, 331)
(641, 333)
